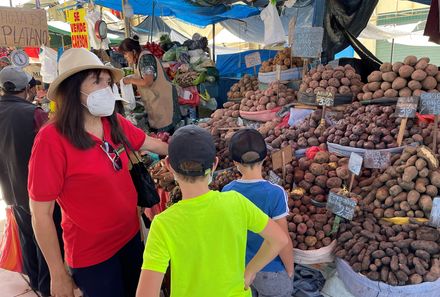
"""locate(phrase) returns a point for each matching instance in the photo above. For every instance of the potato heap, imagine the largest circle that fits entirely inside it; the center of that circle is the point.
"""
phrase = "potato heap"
(308, 133)
(164, 178)
(245, 84)
(410, 78)
(426, 135)
(221, 119)
(339, 80)
(276, 95)
(283, 59)
(224, 178)
(394, 254)
(368, 127)
(407, 188)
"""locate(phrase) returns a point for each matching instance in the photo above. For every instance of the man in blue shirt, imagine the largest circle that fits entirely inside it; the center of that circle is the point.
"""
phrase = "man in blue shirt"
(248, 151)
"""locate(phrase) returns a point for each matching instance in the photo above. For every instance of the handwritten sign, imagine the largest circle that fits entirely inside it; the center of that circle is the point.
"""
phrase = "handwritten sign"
(325, 99)
(20, 27)
(252, 60)
(377, 159)
(308, 42)
(341, 206)
(355, 163)
(434, 218)
(274, 178)
(78, 27)
(430, 103)
(278, 160)
(407, 107)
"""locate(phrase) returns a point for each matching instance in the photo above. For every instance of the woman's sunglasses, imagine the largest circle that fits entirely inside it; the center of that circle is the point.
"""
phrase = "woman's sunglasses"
(112, 154)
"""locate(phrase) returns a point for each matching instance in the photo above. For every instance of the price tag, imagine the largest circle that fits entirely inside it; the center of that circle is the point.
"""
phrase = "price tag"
(274, 178)
(335, 227)
(407, 107)
(430, 103)
(377, 159)
(252, 60)
(325, 99)
(341, 206)
(277, 158)
(278, 73)
(355, 163)
(308, 42)
(434, 218)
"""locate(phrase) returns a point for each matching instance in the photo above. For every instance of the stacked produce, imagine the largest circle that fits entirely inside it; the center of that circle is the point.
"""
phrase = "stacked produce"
(155, 49)
(339, 80)
(245, 84)
(407, 188)
(410, 78)
(223, 178)
(276, 95)
(163, 177)
(369, 127)
(222, 125)
(282, 58)
(426, 135)
(307, 133)
(186, 79)
(394, 254)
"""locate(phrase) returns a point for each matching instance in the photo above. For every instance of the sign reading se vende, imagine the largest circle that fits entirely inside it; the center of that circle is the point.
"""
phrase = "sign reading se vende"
(78, 28)
(21, 27)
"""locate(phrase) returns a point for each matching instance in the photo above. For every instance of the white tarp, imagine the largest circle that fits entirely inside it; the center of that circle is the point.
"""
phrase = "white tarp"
(387, 31)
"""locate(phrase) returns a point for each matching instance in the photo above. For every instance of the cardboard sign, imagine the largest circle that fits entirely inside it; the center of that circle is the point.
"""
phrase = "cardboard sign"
(78, 27)
(325, 99)
(430, 103)
(308, 42)
(407, 107)
(252, 60)
(274, 178)
(355, 163)
(341, 206)
(277, 157)
(434, 218)
(377, 159)
(21, 27)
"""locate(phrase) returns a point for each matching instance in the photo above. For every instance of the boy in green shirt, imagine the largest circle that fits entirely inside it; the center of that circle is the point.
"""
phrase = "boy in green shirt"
(204, 235)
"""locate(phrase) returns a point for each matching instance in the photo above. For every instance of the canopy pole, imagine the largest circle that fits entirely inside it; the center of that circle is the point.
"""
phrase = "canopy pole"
(126, 20)
(213, 42)
(152, 22)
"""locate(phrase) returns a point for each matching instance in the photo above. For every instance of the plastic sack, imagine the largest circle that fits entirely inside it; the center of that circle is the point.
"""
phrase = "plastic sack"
(169, 55)
(273, 27)
(322, 255)
(127, 94)
(10, 249)
(49, 68)
(312, 151)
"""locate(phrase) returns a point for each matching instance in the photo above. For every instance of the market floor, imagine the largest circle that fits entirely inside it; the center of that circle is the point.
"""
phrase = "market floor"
(14, 284)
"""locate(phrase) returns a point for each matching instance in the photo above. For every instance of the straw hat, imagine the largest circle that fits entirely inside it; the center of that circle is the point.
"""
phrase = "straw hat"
(75, 60)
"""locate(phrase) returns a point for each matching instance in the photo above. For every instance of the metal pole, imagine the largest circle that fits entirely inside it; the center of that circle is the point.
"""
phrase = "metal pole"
(126, 20)
(152, 22)
(10, 3)
(392, 51)
(213, 42)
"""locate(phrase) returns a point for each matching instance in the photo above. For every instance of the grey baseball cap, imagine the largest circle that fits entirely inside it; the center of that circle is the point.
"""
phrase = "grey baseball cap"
(14, 79)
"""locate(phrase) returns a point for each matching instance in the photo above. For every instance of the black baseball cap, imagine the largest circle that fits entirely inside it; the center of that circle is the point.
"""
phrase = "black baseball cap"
(192, 144)
(247, 146)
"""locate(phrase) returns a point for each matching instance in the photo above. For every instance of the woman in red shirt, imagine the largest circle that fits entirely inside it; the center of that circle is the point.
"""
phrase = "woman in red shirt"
(79, 161)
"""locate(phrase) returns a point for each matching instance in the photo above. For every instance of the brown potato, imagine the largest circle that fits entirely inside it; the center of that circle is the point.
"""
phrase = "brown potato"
(375, 76)
(431, 70)
(410, 60)
(389, 76)
(429, 83)
(414, 84)
(399, 83)
(419, 75)
(405, 71)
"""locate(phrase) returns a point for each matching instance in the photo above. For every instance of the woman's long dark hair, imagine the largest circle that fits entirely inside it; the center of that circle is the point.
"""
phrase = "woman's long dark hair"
(69, 114)
(130, 44)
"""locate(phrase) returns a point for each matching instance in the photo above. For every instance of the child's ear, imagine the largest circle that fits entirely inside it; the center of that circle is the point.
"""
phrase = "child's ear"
(215, 164)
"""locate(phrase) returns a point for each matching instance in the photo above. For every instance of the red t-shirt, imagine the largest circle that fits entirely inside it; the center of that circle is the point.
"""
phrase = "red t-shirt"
(98, 203)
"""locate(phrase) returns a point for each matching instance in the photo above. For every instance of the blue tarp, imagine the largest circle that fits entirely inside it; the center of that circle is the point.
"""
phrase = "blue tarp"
(233, 65)
(196, 15)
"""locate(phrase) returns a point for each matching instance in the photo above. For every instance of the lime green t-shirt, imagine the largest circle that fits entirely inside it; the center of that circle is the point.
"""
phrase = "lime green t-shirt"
(204, 239)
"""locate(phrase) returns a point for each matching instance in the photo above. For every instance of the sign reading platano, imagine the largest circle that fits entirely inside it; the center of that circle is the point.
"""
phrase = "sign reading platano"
(20, 27)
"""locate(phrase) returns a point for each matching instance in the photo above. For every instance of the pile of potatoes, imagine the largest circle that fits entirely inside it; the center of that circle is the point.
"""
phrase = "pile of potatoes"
(410, 78)
(224, 178)
(276, 95)
(221, 119)
(407, 188)
(245, 84)
(308, 133)
(282, 58)
(368, 127)
(394, 254)
(339, 80)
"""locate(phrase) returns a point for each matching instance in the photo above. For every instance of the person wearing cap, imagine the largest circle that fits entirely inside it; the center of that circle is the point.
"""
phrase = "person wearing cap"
(248, 151)
(79, 161)
(158, 94)
(20, 120)
(203, 236)
(32, 93)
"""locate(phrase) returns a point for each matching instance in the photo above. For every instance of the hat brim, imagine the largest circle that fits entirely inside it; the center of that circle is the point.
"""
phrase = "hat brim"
(53, 88)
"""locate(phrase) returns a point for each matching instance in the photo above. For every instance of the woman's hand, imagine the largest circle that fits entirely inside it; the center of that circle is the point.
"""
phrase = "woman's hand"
(127, 80)
(62, 285)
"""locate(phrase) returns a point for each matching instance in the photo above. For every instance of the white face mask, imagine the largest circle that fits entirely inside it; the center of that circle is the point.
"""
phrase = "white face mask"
(101, 103)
